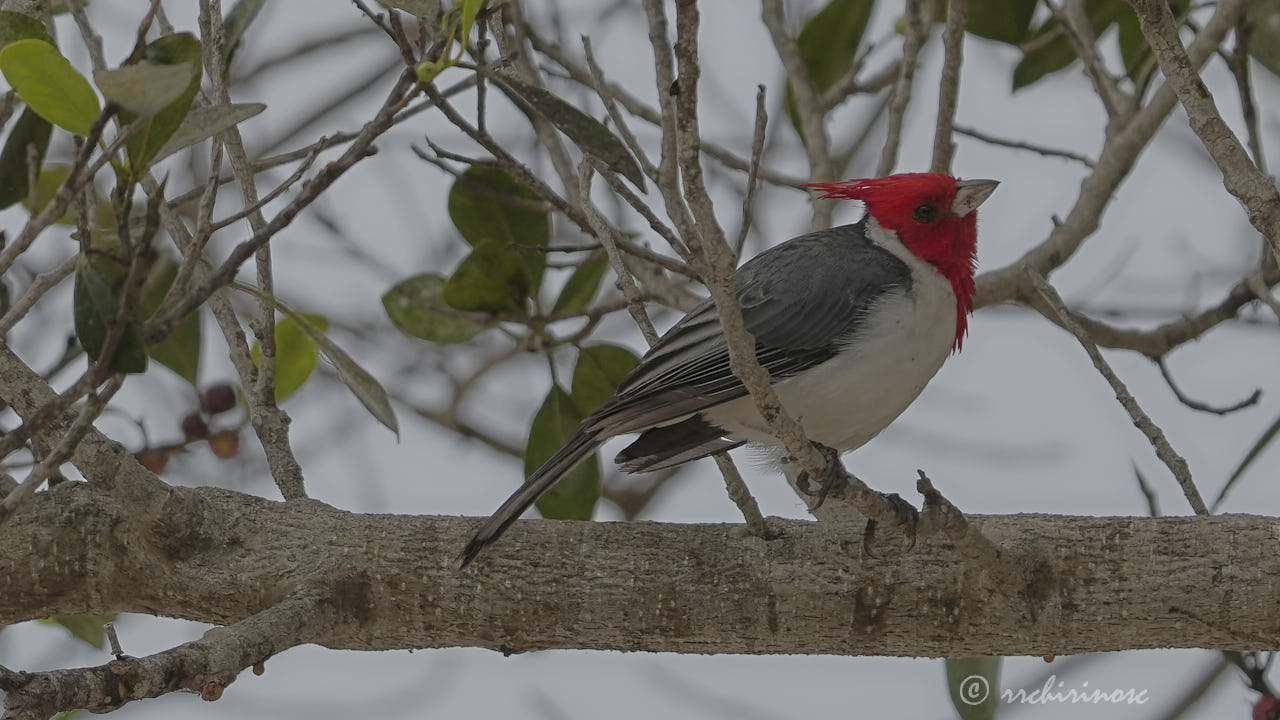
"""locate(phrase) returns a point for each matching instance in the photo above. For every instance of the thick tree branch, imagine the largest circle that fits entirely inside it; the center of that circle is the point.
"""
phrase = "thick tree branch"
(1082, 584)
(205, 666)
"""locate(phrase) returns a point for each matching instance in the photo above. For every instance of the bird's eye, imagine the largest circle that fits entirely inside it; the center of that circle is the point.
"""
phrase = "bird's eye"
(925, 213)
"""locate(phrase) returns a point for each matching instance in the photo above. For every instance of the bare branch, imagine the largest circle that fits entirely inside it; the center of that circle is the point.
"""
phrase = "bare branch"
(1120, 151)
(1175, 462)
(1074, 18)
(919, 15)
(205, 666)
(43, 283)
(608, 236)
(741, 496)
(1240, 175)
(1020, 145)
(809, 106)
(949, 85)
(757, 151)
(1204, 407)
(806, 591)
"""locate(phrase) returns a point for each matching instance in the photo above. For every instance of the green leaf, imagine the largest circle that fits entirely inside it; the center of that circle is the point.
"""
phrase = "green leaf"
(143, 89)
(828, 43)
(574, 496)
(296, 351)
(178, 50)
(47, 184)
(583, 284)
(16, 26)
(488, 203)
(416, 307)
(235, 24)
(180, 351)
(202, 123)
(1005, 21)
(89, 628)
(361, 384)
(95, 305)
(48, 84)
(30, 130)
(601, 368)
(1133, 46)
(1052, 51)
(974, 683)
(1264, 44)
(589, 134)
(470, 8)
(493, 278)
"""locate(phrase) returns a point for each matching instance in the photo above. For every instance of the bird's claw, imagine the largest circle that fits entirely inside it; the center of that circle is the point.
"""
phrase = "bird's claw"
(906, 517)
(832, 475)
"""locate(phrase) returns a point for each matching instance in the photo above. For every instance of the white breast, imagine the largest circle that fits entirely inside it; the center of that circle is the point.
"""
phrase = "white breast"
(849, 399)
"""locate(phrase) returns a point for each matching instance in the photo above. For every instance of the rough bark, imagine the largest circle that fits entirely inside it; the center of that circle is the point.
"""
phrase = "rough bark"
(1071, 584)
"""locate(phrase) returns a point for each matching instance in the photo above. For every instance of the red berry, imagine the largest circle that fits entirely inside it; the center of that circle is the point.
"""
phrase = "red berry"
(153, 459)
(218, 399)
(225, 444)
(1266, 708)
(194, 427)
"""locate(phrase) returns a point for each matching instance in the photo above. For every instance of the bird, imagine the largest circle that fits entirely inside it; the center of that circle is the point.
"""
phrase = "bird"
(851, 323)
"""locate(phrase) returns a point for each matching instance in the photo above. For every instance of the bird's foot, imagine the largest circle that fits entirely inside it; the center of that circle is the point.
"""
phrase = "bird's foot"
(906, 518)
(833, 475)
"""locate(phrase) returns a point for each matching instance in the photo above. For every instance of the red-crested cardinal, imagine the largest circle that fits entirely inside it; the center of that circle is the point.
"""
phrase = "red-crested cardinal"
(851, 323)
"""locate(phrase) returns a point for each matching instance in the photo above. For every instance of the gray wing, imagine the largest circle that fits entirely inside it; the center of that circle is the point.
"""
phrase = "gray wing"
(800, 300)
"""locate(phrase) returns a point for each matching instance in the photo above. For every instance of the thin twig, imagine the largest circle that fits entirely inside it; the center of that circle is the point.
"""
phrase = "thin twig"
(757, 151)
(809, 106)
(43, 283)
(949, 86)
(1020, 145)
(640, 109)
(608, 236)
(1201, 406)
(605, 92)
(1153, 502)
(1175, 462)
(1242, 178)
(66, 445)
(919, 15)
(1073, 17)
(275, 192)
(1258, 284)
(1238, 61)
(741, 495)
(160, 325)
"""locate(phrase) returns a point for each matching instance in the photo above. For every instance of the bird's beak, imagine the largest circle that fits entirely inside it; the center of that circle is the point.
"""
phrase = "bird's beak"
(970, 194)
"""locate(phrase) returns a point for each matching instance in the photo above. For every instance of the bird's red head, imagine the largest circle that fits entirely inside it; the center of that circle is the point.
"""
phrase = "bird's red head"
(934, 217)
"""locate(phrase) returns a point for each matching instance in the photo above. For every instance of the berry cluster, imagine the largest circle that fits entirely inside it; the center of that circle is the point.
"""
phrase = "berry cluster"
(224, 443)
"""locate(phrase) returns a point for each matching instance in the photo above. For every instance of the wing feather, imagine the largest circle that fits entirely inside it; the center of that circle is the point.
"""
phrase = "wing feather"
(801, 301)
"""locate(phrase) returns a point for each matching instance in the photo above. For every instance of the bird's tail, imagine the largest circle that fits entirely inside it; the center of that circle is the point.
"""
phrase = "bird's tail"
(566, 458)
